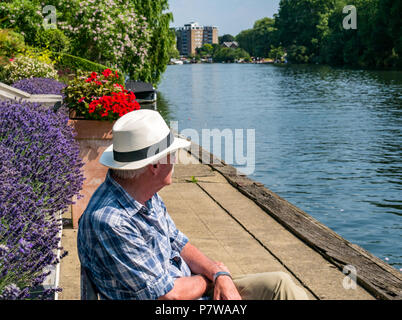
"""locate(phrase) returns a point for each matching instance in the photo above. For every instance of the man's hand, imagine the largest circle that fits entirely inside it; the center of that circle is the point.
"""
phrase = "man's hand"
(222, 266)
(224, 288)
(200, 264)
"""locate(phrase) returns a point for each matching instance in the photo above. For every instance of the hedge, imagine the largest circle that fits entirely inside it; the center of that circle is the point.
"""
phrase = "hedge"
(65, 60)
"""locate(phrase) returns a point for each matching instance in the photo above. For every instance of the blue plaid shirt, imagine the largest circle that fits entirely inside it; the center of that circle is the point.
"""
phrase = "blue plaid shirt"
(131, 251)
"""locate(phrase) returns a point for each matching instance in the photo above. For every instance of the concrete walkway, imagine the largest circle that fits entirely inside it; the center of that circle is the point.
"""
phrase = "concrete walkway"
(229, 227)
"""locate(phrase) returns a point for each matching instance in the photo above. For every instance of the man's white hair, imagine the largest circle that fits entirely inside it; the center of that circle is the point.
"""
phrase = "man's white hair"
(128, 174)
(132, 174)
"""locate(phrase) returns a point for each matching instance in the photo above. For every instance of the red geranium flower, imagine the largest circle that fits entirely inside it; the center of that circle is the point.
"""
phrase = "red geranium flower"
(107, 72)
(82, 99)
(92, 77)
(117, 103)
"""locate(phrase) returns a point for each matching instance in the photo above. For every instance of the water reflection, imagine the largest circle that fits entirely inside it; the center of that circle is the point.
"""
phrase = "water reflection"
(163, 107)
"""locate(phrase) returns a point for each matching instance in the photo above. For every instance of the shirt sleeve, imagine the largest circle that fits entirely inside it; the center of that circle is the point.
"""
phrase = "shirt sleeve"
(133, 263)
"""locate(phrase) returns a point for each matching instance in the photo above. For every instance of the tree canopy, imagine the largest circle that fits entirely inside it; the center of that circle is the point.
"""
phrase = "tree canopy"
(132, 35)
(312, 31)
(226, 38)
(258, 40)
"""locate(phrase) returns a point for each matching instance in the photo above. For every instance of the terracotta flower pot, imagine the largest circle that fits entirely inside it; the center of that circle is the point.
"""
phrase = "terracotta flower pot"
(94, 137)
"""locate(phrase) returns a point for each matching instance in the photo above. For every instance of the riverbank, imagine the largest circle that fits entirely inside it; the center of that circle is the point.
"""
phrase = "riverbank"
(230, 227)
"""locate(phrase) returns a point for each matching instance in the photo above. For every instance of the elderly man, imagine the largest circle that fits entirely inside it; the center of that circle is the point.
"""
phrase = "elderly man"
(128, 243)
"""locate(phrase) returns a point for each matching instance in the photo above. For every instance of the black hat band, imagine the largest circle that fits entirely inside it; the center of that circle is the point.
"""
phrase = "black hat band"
(144, 153)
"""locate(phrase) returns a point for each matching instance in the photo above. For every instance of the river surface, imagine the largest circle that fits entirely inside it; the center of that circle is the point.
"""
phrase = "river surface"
(327, 140)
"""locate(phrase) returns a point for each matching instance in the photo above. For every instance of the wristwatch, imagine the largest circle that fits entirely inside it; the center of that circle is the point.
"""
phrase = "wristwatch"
(221, 273)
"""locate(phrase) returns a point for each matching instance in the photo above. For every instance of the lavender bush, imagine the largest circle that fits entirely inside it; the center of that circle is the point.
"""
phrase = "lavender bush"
(40, 86)
(39, 175)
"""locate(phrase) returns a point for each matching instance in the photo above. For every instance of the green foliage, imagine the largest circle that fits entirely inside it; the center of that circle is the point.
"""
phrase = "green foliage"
(312, 31)
(258, 41)
(109, 32)
(54, 39)
(264, 36)
(299, 54)
(193, 179)
(301, 25)
(246, 40)
(23, 16)
(161, 38)
(226, 38)
(277, 53)
(131, 35)
(207, 50)
(80, 92)
(11, 43)
(27, 67)
(76, 64)
(230, 55)
(173, 52)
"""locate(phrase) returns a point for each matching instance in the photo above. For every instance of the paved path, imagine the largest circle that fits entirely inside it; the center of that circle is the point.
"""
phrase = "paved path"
(229, 227)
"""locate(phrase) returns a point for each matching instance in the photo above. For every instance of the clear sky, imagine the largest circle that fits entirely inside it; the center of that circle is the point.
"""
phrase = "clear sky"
(230, 16)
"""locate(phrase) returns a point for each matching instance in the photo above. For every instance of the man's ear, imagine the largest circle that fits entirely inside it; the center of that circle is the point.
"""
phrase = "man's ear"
(153, 168)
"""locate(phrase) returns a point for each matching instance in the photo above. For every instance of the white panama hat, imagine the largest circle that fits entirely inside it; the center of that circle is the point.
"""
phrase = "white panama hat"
(140, 138)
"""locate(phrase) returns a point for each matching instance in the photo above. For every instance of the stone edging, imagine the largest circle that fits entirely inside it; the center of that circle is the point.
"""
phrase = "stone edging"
(10, 93)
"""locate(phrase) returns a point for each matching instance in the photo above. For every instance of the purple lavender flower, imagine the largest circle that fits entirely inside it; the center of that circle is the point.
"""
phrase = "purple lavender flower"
(40, 86)
(10, 292)
(40, 172)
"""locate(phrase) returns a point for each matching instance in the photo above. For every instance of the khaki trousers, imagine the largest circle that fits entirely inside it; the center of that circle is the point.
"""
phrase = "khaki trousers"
(268, 286)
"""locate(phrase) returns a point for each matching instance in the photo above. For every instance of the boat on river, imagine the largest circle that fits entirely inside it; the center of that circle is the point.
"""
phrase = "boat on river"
(145, 93)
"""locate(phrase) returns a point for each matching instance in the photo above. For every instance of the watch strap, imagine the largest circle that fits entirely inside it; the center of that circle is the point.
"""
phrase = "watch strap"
(221, 273)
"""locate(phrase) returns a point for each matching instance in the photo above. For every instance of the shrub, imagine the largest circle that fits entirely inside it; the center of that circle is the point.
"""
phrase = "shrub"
(11, 43)
(299, 54)
(110, 32)
(53, 39)
(23, 16)
(3, 62)
(230, 54)
(99, 96)
(39, 175)
(40, 86)
(67, 61)
(23, 67)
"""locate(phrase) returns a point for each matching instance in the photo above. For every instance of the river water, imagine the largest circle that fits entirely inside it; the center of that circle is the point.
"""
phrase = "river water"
(327, 140)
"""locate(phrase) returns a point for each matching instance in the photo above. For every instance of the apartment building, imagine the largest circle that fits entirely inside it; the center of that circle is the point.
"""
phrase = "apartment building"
(193, 36)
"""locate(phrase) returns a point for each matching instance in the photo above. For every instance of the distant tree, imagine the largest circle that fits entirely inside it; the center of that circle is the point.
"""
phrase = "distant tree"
(302, 25)
(226, 38)
(276, 53)
(375, 43)
(311, 31)
(257, 41)
(264, 36)
(173, 52)
(162, 38)
(206, 50)
(246, 41)
(230, 55)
